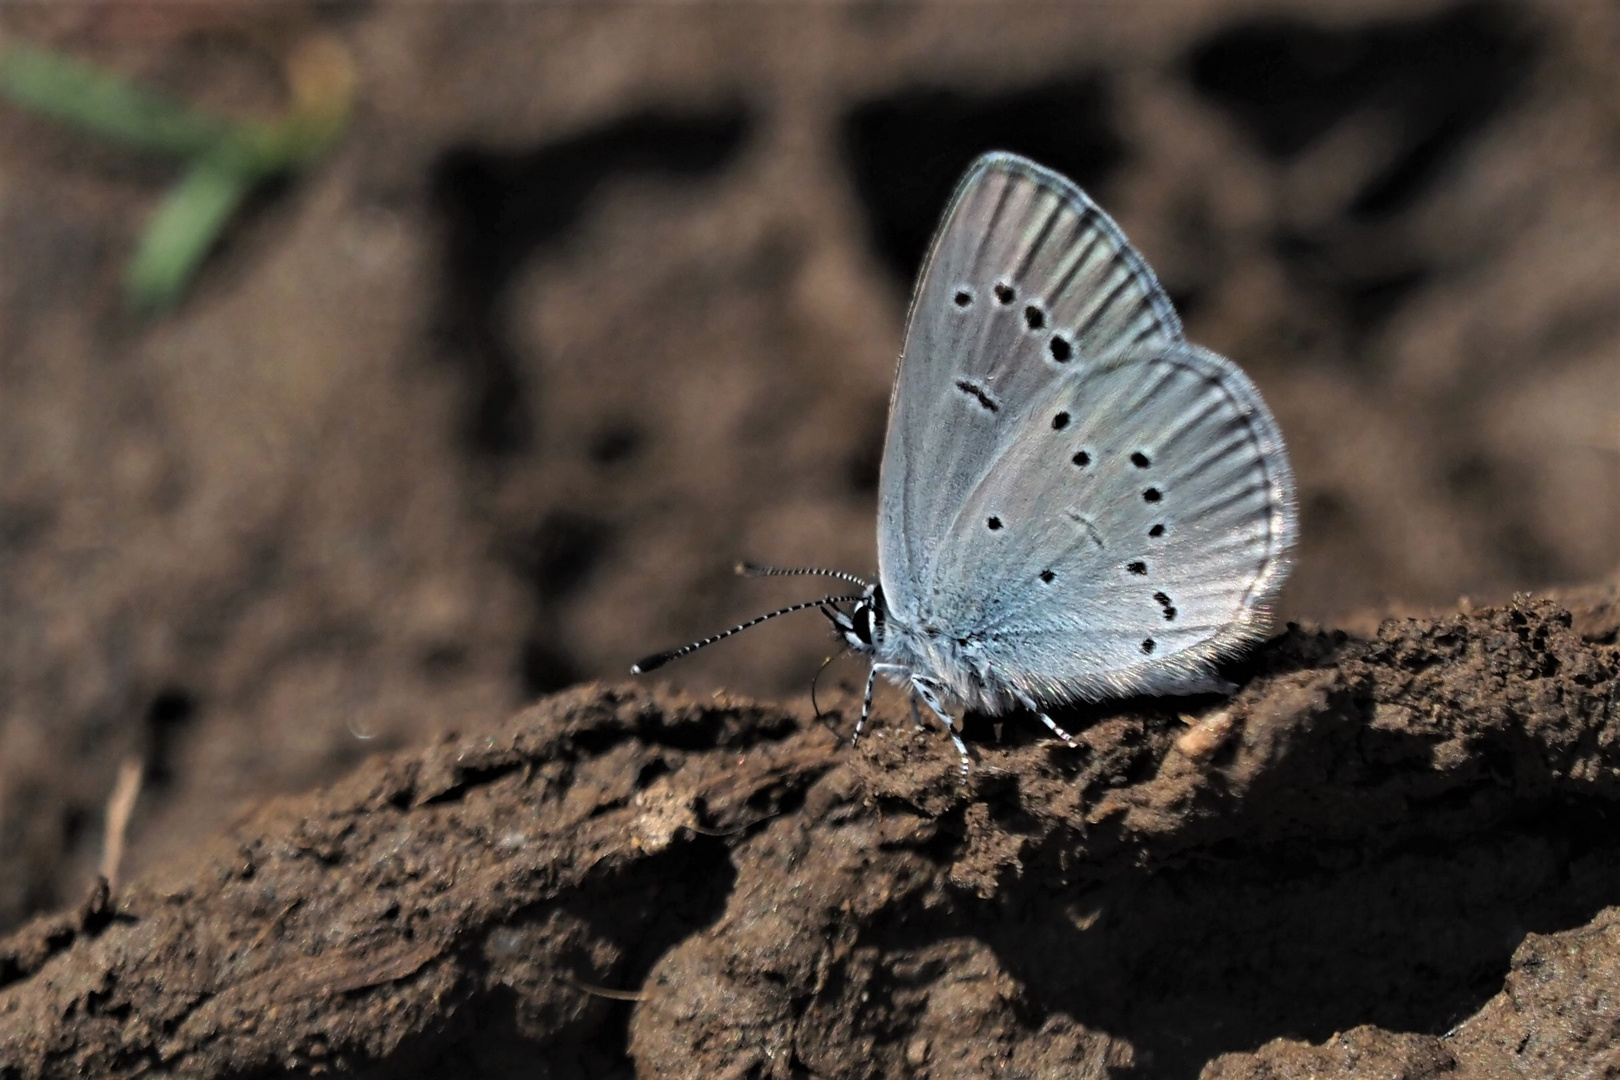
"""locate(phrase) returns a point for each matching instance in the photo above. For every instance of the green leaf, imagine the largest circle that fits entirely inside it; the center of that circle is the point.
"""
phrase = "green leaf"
(105, 104)
(181, 233)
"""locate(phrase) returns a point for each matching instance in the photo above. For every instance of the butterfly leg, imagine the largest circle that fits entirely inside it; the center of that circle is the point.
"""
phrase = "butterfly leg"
(866, 699)
(916, 717)
(1029, 703)
(944, 718)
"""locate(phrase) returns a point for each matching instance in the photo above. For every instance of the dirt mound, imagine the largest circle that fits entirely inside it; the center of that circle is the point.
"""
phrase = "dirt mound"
(1405, 838)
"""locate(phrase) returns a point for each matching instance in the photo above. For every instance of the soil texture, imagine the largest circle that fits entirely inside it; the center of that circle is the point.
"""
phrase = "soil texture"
(1383, 856)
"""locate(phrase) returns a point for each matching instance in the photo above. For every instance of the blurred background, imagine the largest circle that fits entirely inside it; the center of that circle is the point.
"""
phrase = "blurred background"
(543, 316)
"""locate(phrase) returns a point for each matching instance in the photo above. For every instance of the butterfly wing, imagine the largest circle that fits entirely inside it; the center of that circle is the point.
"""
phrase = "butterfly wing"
(1024, 275)
(1137, 542)
(1040, 355)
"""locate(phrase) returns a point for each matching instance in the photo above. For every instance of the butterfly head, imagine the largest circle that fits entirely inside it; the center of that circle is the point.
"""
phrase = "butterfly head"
(862, 626)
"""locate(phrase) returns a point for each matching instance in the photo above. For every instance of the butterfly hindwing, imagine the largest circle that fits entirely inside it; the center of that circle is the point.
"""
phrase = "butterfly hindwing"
(1136, 542)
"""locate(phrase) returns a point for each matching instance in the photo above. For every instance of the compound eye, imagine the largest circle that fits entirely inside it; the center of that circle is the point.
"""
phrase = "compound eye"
(863, 623)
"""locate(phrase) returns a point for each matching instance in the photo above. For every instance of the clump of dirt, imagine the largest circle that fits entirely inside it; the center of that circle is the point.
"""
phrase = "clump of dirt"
(1402, 838)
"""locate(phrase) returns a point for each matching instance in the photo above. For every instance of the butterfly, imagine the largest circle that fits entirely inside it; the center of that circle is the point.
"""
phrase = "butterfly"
(1075, 503)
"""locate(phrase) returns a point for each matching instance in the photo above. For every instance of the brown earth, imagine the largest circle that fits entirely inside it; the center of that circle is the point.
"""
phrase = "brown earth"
(1405, 839)
(589, 303)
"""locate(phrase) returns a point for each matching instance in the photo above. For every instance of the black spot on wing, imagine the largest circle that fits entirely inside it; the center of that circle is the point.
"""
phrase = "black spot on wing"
(1085, 523)
(976, 392)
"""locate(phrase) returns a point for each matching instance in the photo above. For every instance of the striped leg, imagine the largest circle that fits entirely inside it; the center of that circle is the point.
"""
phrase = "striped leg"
(950, 725)
(1029, 703)
(866, 700)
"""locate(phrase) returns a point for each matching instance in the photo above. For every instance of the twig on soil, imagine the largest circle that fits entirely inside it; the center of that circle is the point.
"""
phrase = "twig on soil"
(120, 806)
(737, 830)
(275, 923)
(568, 979)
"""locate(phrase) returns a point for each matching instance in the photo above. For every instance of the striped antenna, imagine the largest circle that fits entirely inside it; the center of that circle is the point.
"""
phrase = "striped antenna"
(658, 660)
(748, 569)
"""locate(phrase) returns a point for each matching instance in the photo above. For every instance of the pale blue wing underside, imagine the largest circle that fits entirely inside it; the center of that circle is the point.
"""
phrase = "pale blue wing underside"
(1012, 225)
(1098, 506)
(1136, 544)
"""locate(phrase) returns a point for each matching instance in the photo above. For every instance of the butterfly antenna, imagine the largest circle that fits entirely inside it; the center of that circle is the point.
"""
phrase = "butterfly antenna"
(748, 569)
(658, 660)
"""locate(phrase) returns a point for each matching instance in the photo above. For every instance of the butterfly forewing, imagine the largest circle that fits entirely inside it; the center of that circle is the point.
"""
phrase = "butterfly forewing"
(1025, 277)
(1058, 457)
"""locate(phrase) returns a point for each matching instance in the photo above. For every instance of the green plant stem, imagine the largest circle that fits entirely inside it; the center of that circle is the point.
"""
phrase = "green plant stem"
(105, 104)
(183, 228)
(226, 158)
